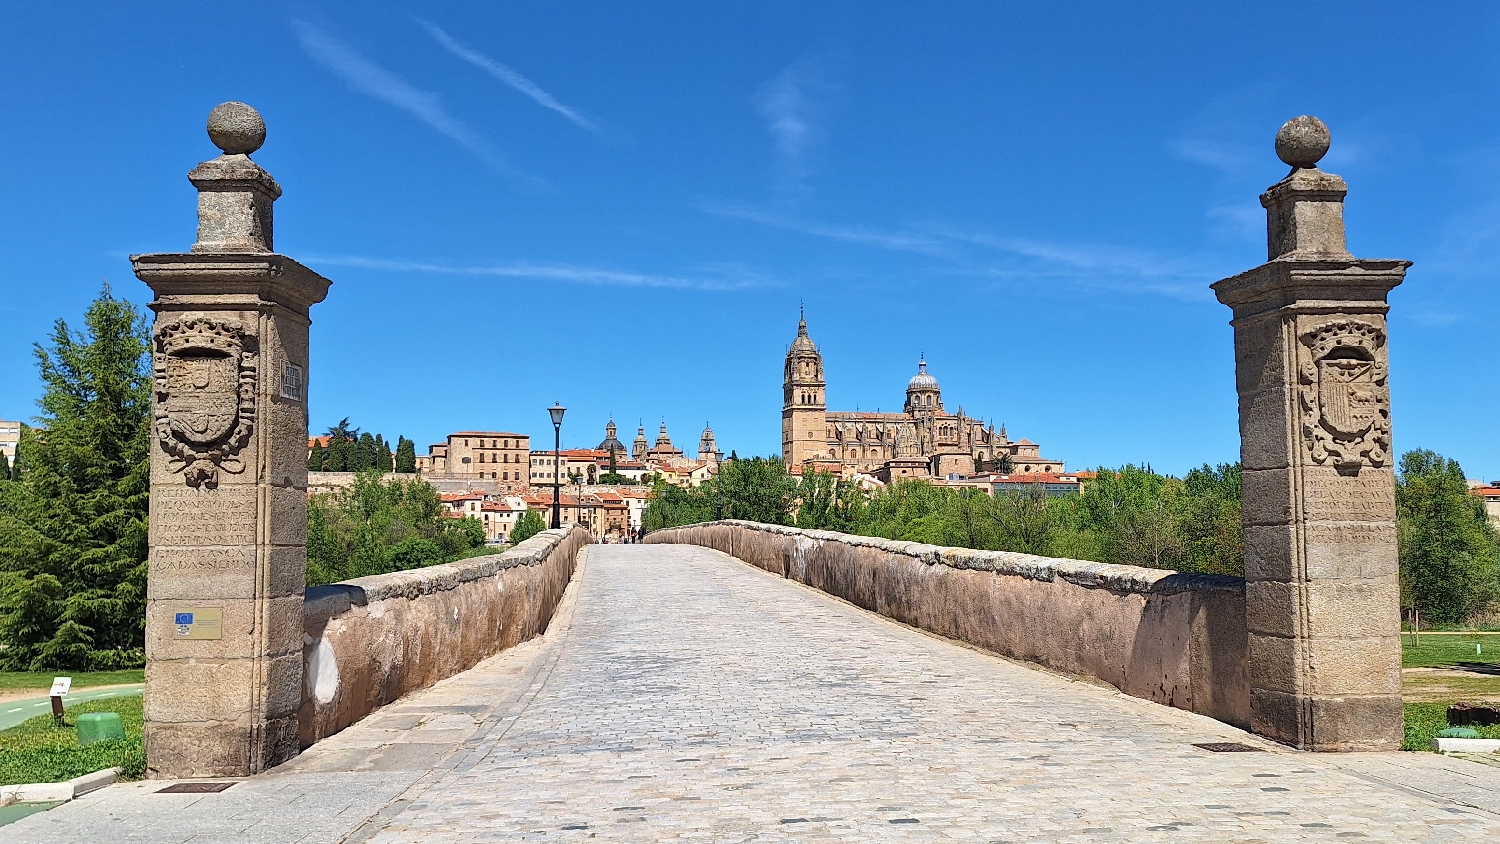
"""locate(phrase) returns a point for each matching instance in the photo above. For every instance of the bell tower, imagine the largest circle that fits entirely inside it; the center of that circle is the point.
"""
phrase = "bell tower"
(804, 405)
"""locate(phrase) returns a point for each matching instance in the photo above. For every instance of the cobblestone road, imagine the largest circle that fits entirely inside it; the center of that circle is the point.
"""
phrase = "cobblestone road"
(693, 698)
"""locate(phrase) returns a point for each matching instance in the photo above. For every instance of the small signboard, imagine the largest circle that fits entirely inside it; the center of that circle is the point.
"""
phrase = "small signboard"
(60, 686)
(198, 623)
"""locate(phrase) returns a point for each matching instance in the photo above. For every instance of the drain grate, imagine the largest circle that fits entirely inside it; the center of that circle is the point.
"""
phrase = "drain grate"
(1228, 747)
(195, 788)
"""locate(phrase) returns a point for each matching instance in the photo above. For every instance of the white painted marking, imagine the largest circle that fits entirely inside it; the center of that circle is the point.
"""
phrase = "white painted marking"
(17, 709)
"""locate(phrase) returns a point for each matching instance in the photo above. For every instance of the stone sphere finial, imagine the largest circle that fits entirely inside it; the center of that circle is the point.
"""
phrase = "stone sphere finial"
(1302, 141)
(236, 128)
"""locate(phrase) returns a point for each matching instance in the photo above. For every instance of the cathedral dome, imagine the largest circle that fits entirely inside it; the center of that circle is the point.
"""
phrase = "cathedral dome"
(922, 381)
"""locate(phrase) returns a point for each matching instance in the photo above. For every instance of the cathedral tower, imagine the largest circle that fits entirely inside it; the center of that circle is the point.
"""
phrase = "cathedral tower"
(804, 431)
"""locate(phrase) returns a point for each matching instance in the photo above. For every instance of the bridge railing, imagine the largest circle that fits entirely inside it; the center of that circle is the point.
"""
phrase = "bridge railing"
(371, 640)
(1173, 638)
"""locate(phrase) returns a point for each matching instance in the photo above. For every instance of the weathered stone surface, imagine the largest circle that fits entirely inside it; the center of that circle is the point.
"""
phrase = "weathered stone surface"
(1160, 635)
(368, 641)
(238, 129)
(228, 524)
(1318, 498)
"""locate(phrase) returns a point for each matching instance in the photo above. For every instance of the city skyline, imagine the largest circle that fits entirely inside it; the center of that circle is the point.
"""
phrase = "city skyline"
(622, 209)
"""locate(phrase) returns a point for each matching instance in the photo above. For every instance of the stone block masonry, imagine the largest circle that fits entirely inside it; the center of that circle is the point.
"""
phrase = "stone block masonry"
(228, 530)
(1176, 639)
(1319, 502)
(369, 641)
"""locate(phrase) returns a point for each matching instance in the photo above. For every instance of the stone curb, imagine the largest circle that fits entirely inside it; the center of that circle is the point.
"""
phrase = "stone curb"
(58, 792)
(1466, 745)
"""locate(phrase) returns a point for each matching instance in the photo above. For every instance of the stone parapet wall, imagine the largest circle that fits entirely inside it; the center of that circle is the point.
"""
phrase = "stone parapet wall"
(1173, 638)
(368, 641)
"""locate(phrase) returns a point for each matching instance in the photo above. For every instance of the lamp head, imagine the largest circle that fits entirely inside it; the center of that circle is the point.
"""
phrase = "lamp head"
(557, 413)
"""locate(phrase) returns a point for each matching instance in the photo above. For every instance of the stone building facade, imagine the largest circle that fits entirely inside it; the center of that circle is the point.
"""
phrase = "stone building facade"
(923, 440)
(501, 456)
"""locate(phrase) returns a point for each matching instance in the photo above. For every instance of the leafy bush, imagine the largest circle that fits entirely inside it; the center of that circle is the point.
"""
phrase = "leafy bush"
(377, 525)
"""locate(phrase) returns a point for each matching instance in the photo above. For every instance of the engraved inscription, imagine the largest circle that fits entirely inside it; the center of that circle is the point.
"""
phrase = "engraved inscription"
(202, 560)
(1346, 404)
(204, 376)
(1367, 498)
(201, 516)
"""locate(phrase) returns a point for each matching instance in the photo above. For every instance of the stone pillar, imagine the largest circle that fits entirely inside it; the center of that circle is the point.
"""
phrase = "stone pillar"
(1321, 586)
(228, 476)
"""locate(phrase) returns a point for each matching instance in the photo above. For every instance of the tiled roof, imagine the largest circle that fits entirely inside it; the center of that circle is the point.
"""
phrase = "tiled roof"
(490, 434)
(1486, 491)
(1034, 478)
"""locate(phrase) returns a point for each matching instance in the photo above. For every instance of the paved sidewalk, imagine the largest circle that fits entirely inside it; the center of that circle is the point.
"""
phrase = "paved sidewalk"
(687, 696)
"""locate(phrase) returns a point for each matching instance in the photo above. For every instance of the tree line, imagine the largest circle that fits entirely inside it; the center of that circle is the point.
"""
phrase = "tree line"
(351, 450)
(1448, 551)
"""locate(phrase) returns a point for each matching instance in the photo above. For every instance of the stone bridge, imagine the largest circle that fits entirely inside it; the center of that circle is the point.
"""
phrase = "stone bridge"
(681, 694)
(678, 692)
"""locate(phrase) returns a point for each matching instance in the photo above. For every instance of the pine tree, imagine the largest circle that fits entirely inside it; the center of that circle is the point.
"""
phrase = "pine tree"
(317, 457)
(73, 528)
(406, 455)
(382, 454)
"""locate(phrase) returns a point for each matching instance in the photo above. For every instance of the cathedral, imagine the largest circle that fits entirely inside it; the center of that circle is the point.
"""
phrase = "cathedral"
(922, 441)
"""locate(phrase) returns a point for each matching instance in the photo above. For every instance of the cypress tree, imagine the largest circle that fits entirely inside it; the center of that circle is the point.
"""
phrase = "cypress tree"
(366, 452)
(382, 454)
(406, 455)
(317, 457)
(73, 528)
(337, 457)
(4, 467)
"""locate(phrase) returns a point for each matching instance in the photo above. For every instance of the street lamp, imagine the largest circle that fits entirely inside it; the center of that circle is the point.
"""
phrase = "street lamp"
(557, 414)
(719, 488)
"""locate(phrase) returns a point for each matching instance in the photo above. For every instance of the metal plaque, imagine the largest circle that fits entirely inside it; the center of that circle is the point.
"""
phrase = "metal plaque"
(198, 623)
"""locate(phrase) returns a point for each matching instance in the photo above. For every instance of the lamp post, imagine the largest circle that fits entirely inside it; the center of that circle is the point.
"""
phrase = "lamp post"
(557, 414)
(719, 487)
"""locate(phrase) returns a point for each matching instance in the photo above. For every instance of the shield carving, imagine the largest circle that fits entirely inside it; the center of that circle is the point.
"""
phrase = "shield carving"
(205, 373)
(1344, 395)
(1347, 395)
(203, 402)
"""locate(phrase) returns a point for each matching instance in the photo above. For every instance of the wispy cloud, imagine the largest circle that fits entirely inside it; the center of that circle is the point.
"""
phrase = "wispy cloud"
(707, 277)
(507, 74)
(788, 104)
(1011, 257)
(898, 241)
(371, 79)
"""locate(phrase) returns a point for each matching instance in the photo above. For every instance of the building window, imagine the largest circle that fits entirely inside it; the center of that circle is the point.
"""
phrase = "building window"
(291, 382)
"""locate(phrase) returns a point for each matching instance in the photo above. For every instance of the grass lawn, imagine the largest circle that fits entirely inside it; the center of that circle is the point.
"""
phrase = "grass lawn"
(38, 751)
(41, 681)
(1449, 651)
(1447, 670)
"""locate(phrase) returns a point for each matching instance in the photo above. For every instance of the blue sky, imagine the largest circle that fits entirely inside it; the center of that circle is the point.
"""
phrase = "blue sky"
(619, 206)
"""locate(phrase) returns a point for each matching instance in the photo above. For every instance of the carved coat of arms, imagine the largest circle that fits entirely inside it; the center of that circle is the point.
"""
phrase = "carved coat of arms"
(205, 374)
(1346, 404)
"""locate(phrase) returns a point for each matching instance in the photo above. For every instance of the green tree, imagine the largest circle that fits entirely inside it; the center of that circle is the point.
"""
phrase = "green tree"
(316, 457)
(1447, 547)
(530, 524)
(5, 474)
(378, 525)
(383, 460)
(73, 527)
(826, 501)
(406, 455)
(1213, 538)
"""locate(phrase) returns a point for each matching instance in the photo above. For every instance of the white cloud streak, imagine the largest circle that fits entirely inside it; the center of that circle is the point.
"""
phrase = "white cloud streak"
(507, 74)
(366, 77)
(975, 253)
(711, 277)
